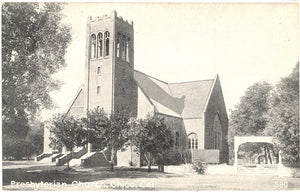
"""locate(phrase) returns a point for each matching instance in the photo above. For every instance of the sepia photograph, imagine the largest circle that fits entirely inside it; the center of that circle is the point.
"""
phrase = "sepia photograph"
(156, 96)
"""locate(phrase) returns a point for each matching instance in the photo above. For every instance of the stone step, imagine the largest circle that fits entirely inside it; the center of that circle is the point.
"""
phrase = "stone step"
(75, 163)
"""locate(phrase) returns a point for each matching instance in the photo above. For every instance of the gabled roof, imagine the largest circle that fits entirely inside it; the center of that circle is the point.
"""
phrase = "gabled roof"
(158, 92)
(78, 100)
(193, 96)
(186, 100)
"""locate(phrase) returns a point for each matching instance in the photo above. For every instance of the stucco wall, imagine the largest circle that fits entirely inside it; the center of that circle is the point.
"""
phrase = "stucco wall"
(195, 125)
(144, 106)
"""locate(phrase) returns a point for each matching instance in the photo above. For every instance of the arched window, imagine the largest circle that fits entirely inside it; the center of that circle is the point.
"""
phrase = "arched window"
(123, 54)
(177, 140)
(98, 70)
(100, 45)
(118, 45)
(98, 90)
(193, 141)
(106, 36)
(216, 142)
(128, 50)
(93, 46)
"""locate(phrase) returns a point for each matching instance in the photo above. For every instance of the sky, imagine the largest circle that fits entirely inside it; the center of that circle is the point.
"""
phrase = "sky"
(243, 43)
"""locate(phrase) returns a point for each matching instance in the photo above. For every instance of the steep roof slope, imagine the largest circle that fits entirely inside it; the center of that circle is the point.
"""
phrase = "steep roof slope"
(193, 96)
(186, 100)
(158, 92)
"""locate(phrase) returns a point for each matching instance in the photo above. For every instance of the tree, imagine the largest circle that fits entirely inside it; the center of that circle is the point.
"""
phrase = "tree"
(116, 133)
(67, 132)
(152, 138)
(36, 137)
(284, 116)
(31, 145)
(107, 131)
(249, 117)
(34, 43)
(94, 125)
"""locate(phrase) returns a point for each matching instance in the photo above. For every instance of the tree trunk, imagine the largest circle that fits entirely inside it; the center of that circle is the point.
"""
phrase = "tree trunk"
(149, 166)
(112, 158)
(112, 166)
(266, 155)
(269, 155)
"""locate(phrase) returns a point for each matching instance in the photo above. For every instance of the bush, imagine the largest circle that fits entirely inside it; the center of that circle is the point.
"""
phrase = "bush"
(199, 167)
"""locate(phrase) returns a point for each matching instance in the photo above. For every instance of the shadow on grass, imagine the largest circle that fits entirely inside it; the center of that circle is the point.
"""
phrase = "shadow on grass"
(57, 174)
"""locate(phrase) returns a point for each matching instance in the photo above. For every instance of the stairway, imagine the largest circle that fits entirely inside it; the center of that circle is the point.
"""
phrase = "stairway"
(77, 153)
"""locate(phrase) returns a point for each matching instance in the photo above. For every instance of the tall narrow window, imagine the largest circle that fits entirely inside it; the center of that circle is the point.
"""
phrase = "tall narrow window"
(98, 70)
(123, 72)
(93, 46)
(118, 45)
(177, 140)
(100, 45)
(193, 141)
(128, 50)
(123, 54)
(193, 144)
(98, 90)
(217, 133)
(106, 36)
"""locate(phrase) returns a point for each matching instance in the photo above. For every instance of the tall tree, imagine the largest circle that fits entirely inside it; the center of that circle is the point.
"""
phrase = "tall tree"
(249, 117)
(284, 116)
(34, 43)
(152, 138)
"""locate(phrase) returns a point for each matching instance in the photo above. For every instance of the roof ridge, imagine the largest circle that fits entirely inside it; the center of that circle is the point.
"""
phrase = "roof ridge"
(74, 98)
(151, 77)
(191, 81)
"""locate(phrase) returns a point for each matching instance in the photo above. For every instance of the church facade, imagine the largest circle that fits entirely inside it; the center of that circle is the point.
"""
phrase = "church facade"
(194, 111)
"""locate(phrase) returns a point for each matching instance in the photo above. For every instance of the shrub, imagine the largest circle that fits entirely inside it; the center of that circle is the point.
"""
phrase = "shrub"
(199, 167)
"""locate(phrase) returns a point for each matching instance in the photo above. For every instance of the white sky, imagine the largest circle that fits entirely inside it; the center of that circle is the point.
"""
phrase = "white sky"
(243, 43)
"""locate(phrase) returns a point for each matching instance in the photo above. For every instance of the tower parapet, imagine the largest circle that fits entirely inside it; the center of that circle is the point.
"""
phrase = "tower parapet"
(113, 15)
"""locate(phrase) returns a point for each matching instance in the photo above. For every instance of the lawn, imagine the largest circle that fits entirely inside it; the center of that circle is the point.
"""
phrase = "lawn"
(49, 177)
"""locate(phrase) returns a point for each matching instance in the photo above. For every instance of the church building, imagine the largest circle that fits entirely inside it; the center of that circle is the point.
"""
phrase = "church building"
(194, 111)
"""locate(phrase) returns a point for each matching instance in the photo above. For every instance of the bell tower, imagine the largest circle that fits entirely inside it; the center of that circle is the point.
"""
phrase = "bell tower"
(109, 68)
